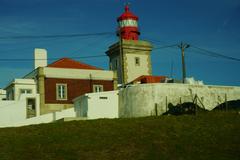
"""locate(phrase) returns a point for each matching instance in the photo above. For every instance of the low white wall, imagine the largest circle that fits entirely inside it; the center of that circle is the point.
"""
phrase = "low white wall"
(97, 105)
(140, 100)
(46, 118)
(12, 111)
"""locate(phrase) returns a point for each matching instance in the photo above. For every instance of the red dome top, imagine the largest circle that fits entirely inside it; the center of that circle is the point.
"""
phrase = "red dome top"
(127, 15)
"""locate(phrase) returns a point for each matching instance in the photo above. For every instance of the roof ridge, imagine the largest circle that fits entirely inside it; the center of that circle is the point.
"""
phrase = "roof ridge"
(71, 63)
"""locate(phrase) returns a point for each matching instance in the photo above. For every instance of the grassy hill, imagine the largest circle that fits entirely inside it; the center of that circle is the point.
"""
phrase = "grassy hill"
(205, 136)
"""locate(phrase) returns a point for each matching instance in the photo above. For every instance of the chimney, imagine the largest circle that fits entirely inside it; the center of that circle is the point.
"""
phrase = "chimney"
(40, 58)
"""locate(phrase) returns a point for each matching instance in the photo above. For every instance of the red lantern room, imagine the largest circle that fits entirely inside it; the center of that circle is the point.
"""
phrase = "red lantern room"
(128, 25)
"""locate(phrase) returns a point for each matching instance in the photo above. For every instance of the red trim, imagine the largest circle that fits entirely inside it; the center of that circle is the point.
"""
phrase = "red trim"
(149, 79)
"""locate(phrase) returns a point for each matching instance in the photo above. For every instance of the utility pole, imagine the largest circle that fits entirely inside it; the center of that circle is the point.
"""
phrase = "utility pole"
(171, 71)
(183, 46)
(121, 60)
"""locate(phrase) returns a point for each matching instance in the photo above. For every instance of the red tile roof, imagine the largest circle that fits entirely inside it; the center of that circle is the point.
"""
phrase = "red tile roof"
(70, 63)
(149, 79)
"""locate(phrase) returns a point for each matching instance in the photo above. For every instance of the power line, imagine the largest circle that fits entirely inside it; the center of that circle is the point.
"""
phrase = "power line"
(167, 46)
(56, 58)
(203, 51)
(82, 57)
(154, 40)
(57, 36)
(215, 54)
(41, 42)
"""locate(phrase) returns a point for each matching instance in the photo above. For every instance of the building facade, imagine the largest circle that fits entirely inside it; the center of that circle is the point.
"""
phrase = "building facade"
(62, 81)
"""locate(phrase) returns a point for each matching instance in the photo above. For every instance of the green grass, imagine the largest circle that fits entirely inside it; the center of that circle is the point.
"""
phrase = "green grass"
(205, 136)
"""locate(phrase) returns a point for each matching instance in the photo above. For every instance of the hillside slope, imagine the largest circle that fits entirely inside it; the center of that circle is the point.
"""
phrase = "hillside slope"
(205, 136)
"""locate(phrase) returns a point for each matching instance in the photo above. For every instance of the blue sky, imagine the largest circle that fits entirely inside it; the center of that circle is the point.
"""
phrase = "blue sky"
(209, 24)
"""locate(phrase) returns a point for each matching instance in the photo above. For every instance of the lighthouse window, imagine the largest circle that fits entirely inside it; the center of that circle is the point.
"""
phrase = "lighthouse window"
(120, 24)
(137, 61)
(128, 22)
(125, 23)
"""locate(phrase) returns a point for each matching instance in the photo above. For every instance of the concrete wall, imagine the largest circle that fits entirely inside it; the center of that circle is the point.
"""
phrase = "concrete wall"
(15, 111)
(48, 108)
(46, 118)
(12, 111)
(140, 100)
(97, 105)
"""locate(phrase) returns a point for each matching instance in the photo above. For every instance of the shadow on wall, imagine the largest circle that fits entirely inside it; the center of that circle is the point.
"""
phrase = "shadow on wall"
(192, 108)
(184, 108)
(228, 106)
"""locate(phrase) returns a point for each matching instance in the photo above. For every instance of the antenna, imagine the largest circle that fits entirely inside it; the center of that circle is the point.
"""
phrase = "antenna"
(127, 4)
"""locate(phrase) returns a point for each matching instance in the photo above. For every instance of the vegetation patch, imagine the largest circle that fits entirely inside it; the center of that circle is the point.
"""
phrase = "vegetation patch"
(212, 135)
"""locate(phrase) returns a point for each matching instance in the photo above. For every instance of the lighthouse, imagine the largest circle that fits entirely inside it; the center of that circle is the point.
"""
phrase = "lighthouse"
(129, 57)
(128, 25)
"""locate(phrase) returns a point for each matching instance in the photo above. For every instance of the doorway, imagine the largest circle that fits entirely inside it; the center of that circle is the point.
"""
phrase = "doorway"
(31, 107)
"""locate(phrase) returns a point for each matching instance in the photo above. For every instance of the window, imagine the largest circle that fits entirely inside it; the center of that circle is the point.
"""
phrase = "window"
(97, 88)
(128, 22)
(137, 61)
(25, 91)
(103, 97)
(31, 107)
(61, 91)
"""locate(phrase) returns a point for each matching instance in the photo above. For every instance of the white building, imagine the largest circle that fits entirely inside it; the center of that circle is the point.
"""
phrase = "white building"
(2, 94)
(97, 105)
(22, 102)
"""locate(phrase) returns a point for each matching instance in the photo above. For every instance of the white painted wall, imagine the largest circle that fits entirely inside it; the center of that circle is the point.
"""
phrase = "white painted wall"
(140, 100)
(97, 105)
(16, 111)
(46, 118)
(12, 111)
(78, 73)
